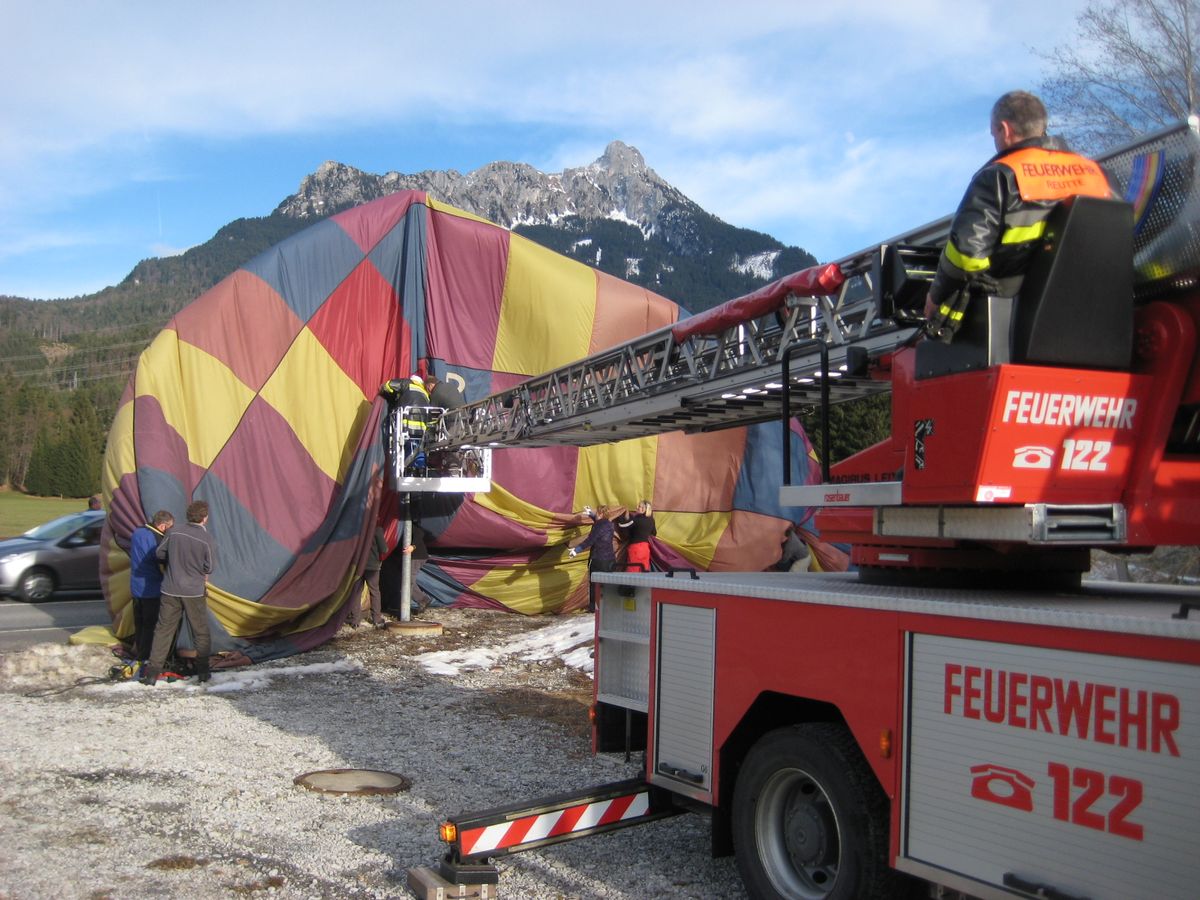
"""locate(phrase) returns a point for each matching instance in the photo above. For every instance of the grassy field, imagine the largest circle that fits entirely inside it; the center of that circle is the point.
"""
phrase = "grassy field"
(20, 512)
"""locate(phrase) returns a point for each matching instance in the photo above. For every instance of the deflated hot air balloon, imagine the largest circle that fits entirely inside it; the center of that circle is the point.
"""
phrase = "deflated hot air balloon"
(261, 398)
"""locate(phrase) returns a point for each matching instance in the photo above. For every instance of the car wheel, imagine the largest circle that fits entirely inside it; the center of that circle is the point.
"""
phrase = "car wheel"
(810, 822)
(36, 585)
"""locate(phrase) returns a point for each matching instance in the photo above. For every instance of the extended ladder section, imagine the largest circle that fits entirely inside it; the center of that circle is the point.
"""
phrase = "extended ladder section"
(743, 362)
(797, 342)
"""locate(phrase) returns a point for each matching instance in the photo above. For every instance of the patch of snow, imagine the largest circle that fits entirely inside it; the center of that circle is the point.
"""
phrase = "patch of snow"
(251, 678)
(527, 220)
(599, 252)
(620, 215)
(633, 266)
(760, 265)
(582, 242)
(570, 640)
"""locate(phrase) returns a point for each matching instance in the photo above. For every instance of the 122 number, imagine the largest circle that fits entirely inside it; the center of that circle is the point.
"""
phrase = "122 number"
(1091, 785)
(1085, 456)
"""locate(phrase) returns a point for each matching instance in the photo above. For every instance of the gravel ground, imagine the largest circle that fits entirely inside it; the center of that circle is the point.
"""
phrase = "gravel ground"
(117, 790)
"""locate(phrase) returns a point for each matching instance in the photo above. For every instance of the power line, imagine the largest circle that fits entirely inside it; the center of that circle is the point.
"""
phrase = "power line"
(70, 367)
(142, 343)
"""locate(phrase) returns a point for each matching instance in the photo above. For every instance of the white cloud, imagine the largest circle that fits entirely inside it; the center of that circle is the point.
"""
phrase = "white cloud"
(764, 112)
(832, 197)
(18, 244)
(165, 250)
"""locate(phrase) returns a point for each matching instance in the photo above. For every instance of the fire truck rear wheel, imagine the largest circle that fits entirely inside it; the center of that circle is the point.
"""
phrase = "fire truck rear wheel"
(809, 819)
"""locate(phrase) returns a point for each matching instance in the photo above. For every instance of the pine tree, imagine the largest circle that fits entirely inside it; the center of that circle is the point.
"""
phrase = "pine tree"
(85, 436)
(43, 466)
(853, 426)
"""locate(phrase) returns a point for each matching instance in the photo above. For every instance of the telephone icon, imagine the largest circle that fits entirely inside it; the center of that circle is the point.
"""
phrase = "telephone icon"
(1032, 457)
(1002, 785)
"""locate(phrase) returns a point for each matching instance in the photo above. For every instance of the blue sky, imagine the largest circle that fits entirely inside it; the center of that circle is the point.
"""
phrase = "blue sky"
(137, 129)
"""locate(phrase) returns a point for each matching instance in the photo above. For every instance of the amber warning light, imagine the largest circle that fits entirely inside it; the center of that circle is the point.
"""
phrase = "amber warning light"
(448, 832)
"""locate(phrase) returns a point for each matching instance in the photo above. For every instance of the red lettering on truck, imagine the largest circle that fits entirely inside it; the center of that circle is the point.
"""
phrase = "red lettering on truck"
(1105, 713)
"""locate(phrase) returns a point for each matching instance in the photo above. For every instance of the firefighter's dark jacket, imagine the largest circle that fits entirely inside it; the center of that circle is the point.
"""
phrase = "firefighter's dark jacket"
(415, 401)
(411, 395)
(1003, 214)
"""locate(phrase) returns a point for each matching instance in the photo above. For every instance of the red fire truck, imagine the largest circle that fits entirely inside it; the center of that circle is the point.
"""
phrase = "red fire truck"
(961, 711)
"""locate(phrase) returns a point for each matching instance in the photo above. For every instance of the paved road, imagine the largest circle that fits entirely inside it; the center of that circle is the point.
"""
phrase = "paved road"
(25, 624)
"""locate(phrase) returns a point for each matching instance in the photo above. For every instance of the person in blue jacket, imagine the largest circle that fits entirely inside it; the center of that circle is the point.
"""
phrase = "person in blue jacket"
(145, 580)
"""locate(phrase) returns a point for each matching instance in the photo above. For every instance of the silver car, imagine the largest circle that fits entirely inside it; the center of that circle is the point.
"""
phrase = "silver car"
(62, 555)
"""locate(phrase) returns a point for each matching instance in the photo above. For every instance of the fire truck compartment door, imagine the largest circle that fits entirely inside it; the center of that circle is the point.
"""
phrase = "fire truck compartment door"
(1073, 772)
(683, 723)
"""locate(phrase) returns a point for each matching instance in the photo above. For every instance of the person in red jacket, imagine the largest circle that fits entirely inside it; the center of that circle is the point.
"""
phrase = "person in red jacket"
(637, 531)
(1003, 213)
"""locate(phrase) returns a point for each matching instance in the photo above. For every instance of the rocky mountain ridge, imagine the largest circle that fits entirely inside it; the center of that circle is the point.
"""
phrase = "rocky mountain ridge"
(615, 214)
(618, 185)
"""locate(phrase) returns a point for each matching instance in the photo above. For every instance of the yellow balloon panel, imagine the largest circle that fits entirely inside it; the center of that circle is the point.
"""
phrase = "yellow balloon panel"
(321, 403)
(119, 458)
(243, 617)
(504, 503)
(439, 206)
(547, 310)
(200, 397)
(543, 585)
(695, 535)
(617, 474)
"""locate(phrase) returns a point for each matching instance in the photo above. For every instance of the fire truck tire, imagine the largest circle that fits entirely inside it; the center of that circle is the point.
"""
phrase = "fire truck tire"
(810, 820)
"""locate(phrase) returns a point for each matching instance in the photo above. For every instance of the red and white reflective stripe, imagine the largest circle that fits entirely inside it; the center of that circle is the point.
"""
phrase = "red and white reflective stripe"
(552, 824)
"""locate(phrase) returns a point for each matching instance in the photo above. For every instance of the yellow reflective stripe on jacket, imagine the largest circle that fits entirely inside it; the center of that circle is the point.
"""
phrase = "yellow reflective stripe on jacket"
(1023, 234)
(964, 262)
(947, 312)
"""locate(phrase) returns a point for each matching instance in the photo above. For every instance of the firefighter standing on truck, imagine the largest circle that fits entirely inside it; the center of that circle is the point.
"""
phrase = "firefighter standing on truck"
(1003, 214)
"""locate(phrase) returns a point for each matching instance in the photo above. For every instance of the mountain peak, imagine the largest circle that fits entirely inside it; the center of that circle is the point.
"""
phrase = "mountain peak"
(584, 212)
(618, 185)
(620, 156)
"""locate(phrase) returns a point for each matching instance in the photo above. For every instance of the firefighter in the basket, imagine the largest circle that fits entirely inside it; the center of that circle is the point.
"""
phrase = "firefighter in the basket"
(412, 399)
(1003, 213)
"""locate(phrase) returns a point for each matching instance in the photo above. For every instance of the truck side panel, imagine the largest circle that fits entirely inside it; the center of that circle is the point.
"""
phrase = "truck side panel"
(1036, 766)
(798, 650)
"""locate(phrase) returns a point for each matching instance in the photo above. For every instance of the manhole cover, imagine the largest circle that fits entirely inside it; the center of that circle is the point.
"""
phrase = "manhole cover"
(353, 781)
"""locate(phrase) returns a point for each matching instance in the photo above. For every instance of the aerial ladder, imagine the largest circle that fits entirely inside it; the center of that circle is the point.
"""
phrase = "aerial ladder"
(937, 496)
(1068, 424)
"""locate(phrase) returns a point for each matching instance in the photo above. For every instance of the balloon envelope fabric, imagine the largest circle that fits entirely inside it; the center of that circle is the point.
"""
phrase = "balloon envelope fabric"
(260, 397)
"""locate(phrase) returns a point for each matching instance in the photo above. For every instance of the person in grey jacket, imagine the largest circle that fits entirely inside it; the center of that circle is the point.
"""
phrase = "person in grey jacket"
(189, 554)
(370, 577)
